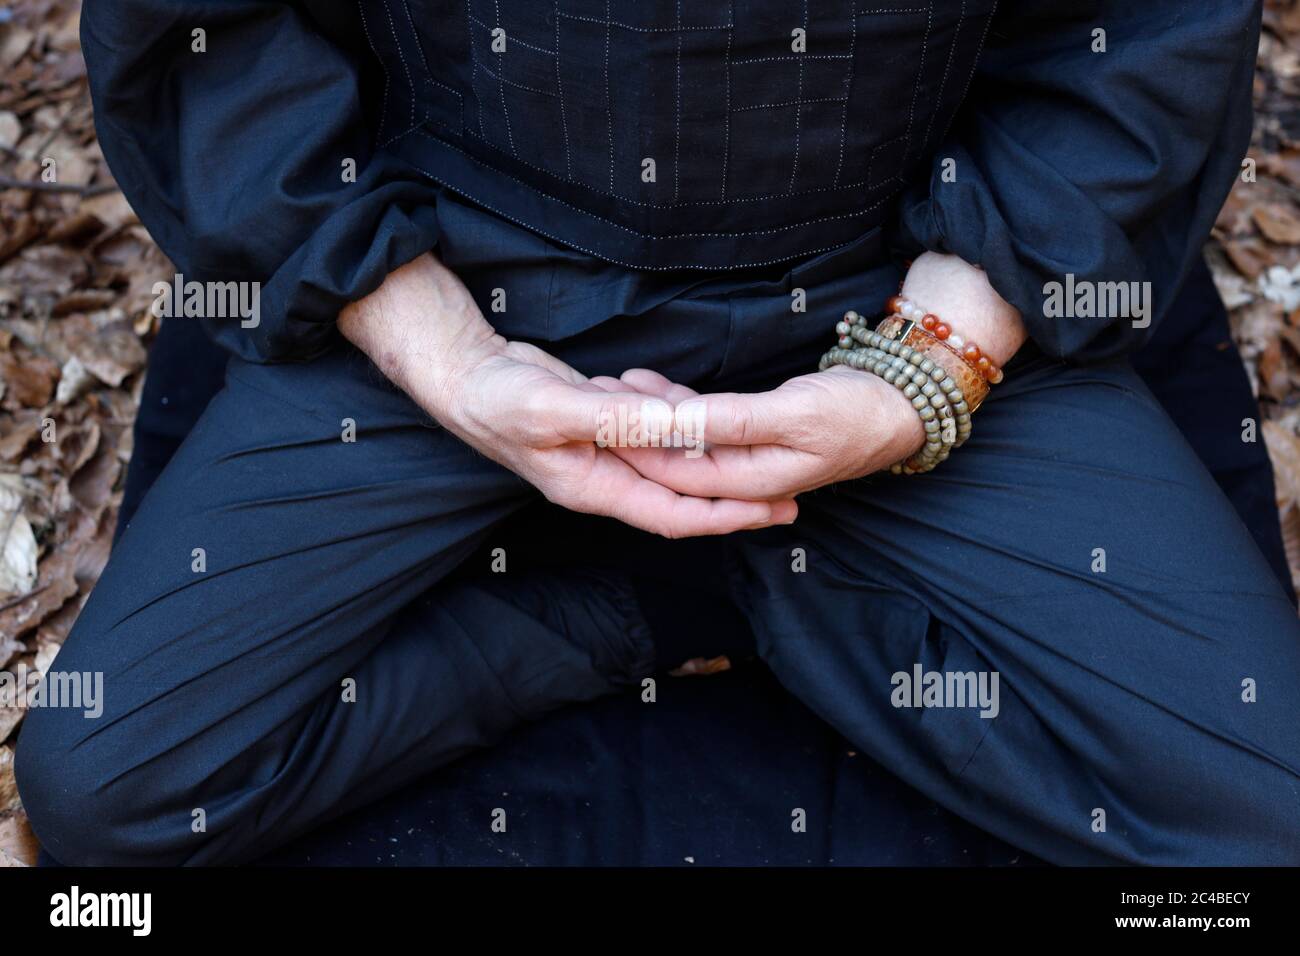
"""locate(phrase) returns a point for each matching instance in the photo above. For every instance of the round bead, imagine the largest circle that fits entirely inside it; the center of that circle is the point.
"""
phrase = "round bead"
(928, 389)
(926, 366)
(920, 402)
(928, 322)
(983, 364)
(911, 391)
(941, 331)
(926, 411)
(845, 341)
(956, 341)
(843, 328)
(971, 353)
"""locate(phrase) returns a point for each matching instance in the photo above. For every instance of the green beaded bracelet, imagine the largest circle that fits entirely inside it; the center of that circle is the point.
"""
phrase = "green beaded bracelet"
(934, 394)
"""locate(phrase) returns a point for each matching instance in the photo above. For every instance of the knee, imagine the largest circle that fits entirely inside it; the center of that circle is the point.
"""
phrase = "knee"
(1235, 809)
(1263, 829)
(79, 812)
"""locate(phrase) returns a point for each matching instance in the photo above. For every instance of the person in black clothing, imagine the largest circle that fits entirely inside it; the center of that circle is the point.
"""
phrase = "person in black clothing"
(483, 232)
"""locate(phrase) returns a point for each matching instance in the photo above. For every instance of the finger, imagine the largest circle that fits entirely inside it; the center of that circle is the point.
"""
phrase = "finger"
(606, 383)
(609, 418)
(729, 471)
(652, 383)
(730, 418)
(616, 490)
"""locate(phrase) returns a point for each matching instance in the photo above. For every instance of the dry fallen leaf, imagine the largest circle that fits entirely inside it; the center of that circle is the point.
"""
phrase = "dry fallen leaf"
(17, 431)
(74, 380)
(1249, 256)
(56, 583)
(11, 130)
(18, 845)
(8, 787)
(1278, 223)
(9, 648)
(31, 380)
(1291, 539)
(112, 353)
(1284, 451)
(18, 553)
(13, 707)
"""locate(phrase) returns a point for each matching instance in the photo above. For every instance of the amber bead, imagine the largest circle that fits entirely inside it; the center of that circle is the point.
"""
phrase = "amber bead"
(984, 365)
(971, 352)
(928, 322)
(941, 331)
(894, 304)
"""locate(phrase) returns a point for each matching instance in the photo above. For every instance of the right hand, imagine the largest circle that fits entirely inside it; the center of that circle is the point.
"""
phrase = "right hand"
(526, 409)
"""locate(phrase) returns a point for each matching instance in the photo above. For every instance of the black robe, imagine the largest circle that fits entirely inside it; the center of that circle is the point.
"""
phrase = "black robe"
(1039, 139)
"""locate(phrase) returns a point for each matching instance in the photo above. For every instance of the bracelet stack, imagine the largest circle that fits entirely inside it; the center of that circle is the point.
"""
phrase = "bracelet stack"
(945, 377)
(970, 353)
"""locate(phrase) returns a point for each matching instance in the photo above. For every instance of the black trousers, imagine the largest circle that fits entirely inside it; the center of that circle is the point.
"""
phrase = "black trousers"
(288, 628)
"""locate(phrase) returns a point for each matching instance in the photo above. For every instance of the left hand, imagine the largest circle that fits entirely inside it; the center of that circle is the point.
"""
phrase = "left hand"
(820, 428)
(813, 430)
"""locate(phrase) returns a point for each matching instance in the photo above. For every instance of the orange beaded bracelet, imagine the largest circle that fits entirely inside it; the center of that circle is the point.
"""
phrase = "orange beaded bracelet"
(969, 352)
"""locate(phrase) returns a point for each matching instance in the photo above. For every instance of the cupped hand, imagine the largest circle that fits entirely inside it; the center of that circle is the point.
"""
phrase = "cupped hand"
(536, 416)
(820, 428)
(811, 431)
(529, 411)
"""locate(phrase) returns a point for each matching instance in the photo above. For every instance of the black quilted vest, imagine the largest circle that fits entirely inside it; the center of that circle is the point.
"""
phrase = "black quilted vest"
(673, 134)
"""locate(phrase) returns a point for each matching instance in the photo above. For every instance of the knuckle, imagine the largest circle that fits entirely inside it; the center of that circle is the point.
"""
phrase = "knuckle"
(532, 408)
(739, 421)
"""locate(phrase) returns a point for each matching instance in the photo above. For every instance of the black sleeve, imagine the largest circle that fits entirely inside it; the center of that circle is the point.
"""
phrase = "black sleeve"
(233, 158)
(1110, 166)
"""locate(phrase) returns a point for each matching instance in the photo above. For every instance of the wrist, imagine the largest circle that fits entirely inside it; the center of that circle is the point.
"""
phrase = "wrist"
(901, 433)
(423, 331)
(887, 426)
(961, 295)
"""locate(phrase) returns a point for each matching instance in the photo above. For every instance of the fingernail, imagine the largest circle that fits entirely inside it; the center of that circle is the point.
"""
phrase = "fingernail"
(657, 414)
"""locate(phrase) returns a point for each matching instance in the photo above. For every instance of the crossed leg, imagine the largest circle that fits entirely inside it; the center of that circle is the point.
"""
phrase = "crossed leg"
(278, 637)
(1146, 711)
